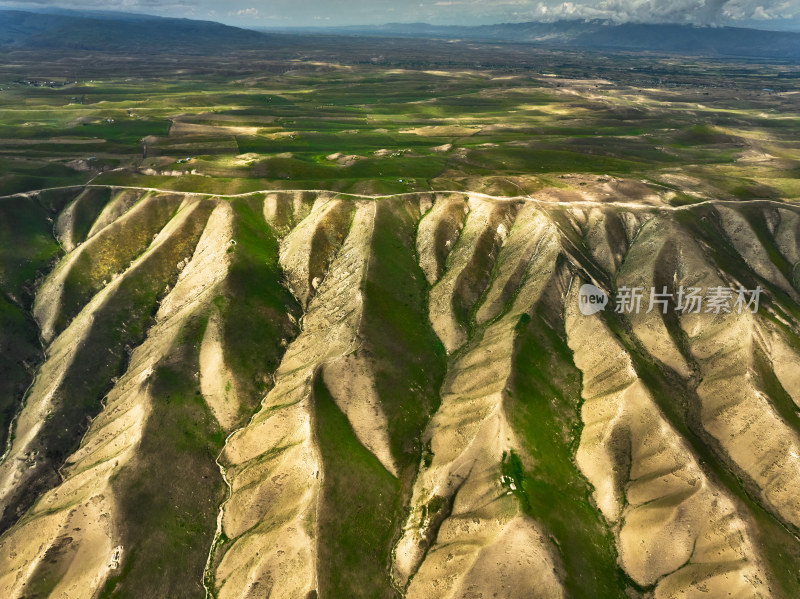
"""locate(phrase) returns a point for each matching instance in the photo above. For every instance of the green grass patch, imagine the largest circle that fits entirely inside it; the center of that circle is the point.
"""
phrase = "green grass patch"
(256, 305)
(20, 353)
(544, 408)
(704, 135)
(408, 358)
(27, 245)
(27, 250)
(361, 509)
(170, 493)
(19, 178)
(532, 160)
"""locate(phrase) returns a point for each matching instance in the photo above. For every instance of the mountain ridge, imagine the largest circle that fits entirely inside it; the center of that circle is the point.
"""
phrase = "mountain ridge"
(126, 32)
(443, 392)
(120, 33)
(604, 35)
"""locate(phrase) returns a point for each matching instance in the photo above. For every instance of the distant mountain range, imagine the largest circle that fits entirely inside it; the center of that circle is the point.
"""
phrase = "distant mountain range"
(671, 39)
(122, 32)
(108, 31)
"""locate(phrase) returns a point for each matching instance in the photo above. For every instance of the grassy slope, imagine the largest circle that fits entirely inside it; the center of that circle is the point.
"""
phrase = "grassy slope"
(544, 406)
(88, 207)
(779, 544)
(118, 326)
(29, 177)
(111, 253)
(169, 496)
(27, 248)
(409, 358)
(20, 352)
(255, 306)
(363, 502)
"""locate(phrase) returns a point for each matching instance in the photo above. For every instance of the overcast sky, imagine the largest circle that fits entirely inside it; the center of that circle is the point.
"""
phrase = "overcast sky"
(285, 13)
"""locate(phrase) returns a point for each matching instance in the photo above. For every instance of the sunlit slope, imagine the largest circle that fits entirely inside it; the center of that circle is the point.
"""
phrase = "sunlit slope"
(300, 394)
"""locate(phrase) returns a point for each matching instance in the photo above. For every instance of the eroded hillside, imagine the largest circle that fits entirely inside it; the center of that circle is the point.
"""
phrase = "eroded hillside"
(314, 394)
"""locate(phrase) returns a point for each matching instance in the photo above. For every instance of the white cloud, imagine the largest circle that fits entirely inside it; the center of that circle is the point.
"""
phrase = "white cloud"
(654, 11)
(244, 12)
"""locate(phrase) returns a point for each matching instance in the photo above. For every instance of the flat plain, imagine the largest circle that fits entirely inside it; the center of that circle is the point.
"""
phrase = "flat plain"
(399, 123)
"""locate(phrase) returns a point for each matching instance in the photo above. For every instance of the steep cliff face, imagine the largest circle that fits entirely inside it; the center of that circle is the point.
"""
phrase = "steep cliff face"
(323, 395)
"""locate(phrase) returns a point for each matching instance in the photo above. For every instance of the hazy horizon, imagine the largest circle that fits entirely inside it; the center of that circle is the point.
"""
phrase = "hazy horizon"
(783, 15)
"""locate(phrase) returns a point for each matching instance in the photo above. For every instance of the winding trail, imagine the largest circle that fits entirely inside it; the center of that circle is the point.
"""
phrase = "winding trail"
(524, 198)
(208, 571)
